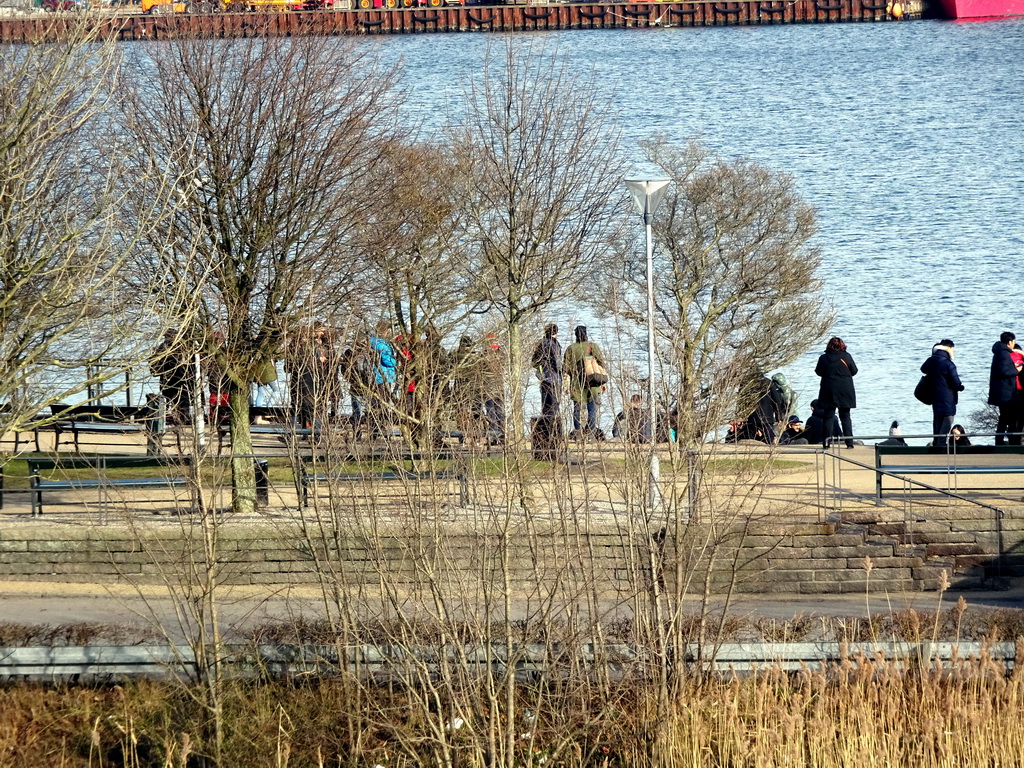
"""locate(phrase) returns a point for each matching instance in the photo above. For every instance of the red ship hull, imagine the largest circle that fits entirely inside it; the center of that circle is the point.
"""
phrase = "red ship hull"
(982, 9)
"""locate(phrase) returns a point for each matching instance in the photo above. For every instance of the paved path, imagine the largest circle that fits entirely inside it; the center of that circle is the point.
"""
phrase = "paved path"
(243, 609)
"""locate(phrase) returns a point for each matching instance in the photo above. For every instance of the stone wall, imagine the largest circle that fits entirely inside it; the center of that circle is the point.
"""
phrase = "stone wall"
(809, 558)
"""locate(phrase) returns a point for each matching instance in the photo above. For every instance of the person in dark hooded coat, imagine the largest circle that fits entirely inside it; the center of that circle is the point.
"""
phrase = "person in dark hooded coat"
(1004, 390)
(945, 386)
(815, 428)
(836, 393)
(769, 411)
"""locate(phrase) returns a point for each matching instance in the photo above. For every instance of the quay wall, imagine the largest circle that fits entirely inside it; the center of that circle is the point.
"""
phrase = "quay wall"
(868, 552)
(504, 18)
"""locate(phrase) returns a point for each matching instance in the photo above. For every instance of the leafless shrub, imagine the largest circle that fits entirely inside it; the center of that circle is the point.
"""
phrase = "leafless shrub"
(64, 327)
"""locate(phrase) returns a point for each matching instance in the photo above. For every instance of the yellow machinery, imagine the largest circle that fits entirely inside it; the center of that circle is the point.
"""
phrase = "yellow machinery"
(216, 6)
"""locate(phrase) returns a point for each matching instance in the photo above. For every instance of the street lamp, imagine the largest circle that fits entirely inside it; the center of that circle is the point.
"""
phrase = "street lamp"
(647, 192)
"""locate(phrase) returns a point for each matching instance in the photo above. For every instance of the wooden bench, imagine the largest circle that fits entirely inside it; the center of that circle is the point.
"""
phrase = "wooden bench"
(103, 420)
(103, 482)
(911, 460)
(311, 480)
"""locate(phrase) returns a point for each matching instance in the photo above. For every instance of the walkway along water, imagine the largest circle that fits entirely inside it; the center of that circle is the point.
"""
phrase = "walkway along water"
(810, 525)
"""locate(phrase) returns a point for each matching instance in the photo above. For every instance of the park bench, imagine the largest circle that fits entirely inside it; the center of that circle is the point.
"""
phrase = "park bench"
(173, 475)
(912, 460)
(288, 433)
(18, 435)
(103, 420)
(386, 485)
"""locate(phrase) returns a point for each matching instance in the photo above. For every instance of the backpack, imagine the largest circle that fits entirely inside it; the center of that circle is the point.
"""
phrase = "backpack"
(593, 373)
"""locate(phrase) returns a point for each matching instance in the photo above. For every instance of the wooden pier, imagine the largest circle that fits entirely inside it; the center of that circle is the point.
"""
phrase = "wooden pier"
(474, 18)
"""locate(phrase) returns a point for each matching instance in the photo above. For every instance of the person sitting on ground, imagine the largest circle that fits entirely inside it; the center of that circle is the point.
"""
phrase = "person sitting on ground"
(895, 435)
(793, 434)
(815, 426)
(631, 423)
(959, 437)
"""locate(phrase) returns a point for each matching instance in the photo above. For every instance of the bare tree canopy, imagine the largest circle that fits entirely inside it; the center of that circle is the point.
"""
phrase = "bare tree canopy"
(736, 283)
(271, 144)
(539, 151)
(417, 268)
(61, 326)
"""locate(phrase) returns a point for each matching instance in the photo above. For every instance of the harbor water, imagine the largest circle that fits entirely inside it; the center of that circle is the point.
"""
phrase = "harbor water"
(906, 137)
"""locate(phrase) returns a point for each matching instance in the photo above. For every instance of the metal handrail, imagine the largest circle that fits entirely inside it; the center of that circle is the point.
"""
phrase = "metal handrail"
(52, 664)
(840, 459)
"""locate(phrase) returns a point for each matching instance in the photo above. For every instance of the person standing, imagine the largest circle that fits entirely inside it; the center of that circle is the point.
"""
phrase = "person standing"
(355, 370)
(171, 364)
(1004, 389)
(314, 375)
(836, 393)
(384, 369)
(547, 360)
(770, 410)
(945, 386)
(582, 395)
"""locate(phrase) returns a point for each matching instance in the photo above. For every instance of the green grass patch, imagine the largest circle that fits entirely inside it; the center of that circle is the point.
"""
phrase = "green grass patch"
(749, 465)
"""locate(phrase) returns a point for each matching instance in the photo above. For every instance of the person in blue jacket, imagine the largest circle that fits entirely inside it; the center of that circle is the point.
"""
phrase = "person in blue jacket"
(384, 368)
(1004, 389)
(946, 386)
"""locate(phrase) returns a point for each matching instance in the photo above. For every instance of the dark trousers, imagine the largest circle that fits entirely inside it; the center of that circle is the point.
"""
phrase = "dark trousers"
(1009, 426)
(550, 391)
(942, 425)
(830, 424)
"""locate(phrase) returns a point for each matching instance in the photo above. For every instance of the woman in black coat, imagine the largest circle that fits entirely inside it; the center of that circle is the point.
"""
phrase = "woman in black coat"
(1003, 389)
(837, 369)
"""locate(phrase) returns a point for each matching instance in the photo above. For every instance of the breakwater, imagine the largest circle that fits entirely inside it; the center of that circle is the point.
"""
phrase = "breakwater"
(503, 18)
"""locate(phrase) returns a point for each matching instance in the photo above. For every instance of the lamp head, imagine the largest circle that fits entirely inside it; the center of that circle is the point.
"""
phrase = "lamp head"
(647, 192)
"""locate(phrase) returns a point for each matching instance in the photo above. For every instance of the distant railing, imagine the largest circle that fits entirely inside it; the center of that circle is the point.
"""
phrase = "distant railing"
(58, 664)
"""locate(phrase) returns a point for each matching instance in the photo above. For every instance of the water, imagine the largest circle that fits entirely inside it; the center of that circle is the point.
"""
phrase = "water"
(906, 137)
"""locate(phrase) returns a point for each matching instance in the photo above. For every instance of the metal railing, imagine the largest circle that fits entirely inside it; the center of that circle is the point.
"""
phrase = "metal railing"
(836, 491)
(57, 664)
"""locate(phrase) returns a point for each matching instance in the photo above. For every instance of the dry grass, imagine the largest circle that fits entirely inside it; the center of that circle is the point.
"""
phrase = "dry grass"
(862, 712)
(958, 623)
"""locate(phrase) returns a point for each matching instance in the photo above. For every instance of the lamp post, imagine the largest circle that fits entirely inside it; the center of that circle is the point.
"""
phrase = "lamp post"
(647, 192)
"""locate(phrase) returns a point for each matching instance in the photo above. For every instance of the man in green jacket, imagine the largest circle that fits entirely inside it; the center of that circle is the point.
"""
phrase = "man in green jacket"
(580, 393)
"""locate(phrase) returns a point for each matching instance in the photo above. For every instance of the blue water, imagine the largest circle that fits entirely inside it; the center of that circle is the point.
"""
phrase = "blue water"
(906, 137)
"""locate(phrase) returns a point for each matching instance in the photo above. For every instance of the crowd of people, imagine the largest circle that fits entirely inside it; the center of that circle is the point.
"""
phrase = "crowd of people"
(384, 377)
(774, 419)
(388, 376)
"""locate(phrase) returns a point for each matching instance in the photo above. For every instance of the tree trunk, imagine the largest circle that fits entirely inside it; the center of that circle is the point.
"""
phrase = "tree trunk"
(514, 419)
(243, 475)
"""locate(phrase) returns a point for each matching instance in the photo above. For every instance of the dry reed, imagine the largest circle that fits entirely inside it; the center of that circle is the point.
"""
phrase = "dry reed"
(860, 712)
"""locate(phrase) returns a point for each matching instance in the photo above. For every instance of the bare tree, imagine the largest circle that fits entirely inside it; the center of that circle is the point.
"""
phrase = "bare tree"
(736, 283)
(269, 143)
(736, 294)
(418, 276)
(539, 149)
(63, 326)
